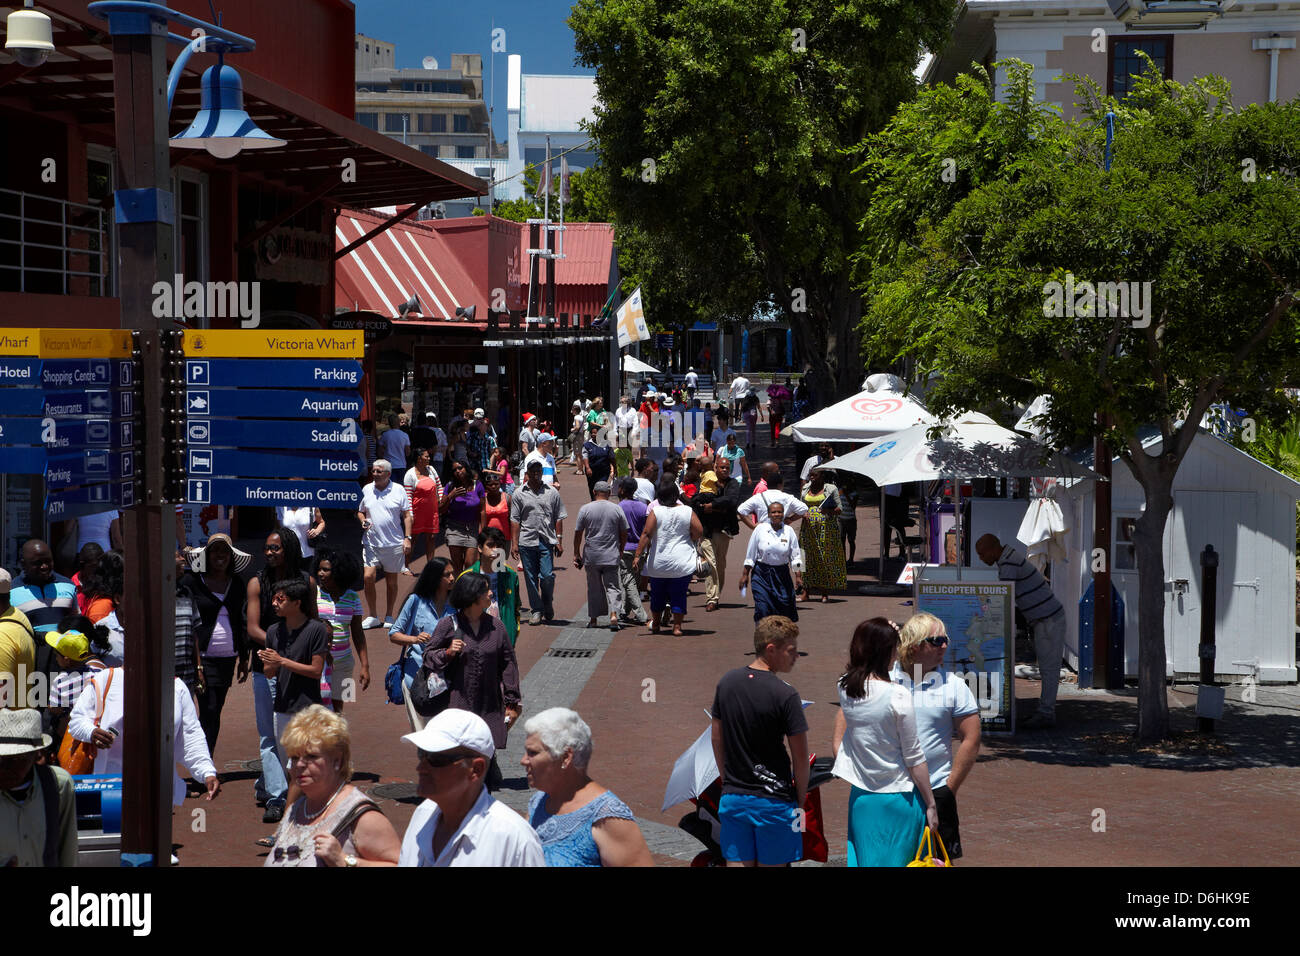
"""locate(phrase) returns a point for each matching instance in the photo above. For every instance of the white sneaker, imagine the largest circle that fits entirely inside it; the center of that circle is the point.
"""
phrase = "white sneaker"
(1028, 672)
(388, 622)
(370, 622)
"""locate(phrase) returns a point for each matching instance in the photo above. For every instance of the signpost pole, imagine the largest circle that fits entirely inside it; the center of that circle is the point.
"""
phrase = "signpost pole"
(144, 229)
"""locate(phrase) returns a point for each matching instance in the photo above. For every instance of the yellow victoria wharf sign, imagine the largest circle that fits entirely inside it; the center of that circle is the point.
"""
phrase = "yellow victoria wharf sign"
(66, 343)
(263, 343)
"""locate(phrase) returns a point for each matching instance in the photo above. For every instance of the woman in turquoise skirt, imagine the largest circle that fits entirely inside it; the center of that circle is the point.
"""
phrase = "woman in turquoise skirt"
(878, 752)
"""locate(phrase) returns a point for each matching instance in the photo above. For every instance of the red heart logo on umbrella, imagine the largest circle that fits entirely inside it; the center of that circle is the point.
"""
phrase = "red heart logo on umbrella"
(876, 407)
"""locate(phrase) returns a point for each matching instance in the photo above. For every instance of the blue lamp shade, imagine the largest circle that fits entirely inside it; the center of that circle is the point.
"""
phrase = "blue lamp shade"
(222, 127)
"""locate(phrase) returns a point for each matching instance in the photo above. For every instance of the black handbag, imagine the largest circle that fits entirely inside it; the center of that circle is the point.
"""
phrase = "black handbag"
(426, 704)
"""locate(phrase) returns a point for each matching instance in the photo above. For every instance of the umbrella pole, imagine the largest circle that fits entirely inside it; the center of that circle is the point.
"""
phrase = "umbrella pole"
(884, 536)
(957, 522)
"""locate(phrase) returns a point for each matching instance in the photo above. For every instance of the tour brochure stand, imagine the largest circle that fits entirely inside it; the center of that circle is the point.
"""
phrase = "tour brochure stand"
(979, 612)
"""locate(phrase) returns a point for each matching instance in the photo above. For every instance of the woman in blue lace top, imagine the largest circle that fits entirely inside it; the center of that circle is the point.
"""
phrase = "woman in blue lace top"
(579, 822)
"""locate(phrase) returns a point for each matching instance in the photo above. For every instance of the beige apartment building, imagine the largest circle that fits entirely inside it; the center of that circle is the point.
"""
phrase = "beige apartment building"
(1249, 42)
(440, 112)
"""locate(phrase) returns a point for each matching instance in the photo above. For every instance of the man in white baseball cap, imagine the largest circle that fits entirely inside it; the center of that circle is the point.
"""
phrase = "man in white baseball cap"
(460, 823)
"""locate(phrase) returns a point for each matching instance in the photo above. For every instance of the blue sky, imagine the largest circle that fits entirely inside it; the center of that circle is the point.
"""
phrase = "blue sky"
(535, 29)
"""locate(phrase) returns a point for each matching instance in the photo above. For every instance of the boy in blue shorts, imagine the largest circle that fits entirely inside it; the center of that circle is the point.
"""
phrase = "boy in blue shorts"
(754, 713)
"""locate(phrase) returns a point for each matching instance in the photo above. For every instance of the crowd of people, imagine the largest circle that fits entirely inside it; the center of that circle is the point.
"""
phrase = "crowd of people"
(299, 626)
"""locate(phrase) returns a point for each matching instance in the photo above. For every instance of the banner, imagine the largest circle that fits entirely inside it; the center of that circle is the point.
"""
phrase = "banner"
(631, 321)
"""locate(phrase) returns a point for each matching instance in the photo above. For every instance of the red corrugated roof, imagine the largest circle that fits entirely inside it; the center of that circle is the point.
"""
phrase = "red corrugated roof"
(407, 259)
(582, 276)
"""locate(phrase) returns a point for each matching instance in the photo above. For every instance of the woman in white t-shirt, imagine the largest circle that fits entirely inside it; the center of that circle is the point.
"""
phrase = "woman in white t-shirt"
(306, 523)
(669, 536)
(877, 750)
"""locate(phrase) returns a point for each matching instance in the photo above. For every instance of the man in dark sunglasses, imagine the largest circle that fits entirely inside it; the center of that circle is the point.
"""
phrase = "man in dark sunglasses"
(460, 823)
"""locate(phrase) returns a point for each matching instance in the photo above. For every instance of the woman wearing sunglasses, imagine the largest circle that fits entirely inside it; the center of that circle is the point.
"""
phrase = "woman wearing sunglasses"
(877, 750)
(945, 708)
(334, 823)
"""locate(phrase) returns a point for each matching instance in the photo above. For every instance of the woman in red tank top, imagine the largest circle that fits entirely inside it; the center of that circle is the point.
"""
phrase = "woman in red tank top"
(495, 511)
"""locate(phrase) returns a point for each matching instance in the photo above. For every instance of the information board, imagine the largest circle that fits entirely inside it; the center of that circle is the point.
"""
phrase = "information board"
(981, 622)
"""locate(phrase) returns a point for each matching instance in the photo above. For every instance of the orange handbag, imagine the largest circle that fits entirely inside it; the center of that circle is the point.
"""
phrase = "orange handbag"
(77, 756)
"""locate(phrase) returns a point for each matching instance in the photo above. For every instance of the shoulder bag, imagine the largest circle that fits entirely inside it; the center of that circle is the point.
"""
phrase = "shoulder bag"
(78, 756)
(430, 693)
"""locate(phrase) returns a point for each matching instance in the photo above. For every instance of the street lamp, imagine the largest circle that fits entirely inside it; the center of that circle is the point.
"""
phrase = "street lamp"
(144, 215)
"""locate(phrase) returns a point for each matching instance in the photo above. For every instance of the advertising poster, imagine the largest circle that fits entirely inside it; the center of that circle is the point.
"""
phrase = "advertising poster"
(981, 623)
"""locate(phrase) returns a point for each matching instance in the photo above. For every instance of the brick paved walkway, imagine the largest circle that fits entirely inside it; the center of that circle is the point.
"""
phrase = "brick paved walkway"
(1031, 800)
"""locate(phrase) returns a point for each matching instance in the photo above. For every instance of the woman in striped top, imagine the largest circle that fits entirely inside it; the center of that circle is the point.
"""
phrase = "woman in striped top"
(339, 606)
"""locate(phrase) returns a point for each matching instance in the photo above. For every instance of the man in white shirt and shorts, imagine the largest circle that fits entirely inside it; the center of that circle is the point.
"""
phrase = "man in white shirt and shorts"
(385, 516)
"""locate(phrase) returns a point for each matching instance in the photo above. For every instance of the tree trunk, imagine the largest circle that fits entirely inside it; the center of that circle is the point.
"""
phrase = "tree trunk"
(829, 341)
(1148, 538)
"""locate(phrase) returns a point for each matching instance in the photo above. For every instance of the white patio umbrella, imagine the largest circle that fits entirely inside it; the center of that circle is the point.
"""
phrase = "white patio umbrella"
(633, 364)
(880, 409)
(969, 445)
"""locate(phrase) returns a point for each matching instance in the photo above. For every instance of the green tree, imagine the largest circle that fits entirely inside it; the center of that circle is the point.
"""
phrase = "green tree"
(978, 207)
(725, 129)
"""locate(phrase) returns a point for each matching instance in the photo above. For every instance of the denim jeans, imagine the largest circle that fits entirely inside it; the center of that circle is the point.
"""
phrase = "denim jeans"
(539, 577)
(273, 781)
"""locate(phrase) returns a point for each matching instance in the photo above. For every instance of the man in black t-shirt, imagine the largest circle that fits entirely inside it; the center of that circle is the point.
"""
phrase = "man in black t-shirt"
(763, 787)
(295, 651)
(597, 459)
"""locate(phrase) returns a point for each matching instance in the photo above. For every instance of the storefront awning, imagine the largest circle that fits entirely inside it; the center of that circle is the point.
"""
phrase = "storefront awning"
(408, 259)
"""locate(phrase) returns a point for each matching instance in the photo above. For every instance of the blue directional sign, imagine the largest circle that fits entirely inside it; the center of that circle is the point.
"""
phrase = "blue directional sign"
(90, 499)
(200, 433)
(270, 403)
(87, 373)
(92, 401)
(280, 373)
(20, 371)
(278, 464)
(94, 432)
(93, 464)
(269, 492)
(23, 461)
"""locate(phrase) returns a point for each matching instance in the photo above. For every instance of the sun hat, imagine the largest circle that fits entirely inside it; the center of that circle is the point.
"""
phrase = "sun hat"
(451, 730)
(73, 645)
(668, 401)
(237, 564)
(479, 413)
(20, 732)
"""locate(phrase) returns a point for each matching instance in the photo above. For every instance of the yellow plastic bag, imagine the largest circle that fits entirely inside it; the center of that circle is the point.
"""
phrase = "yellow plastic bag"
(929, 859)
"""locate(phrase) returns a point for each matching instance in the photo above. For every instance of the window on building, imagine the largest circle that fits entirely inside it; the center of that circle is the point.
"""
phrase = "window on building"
(1125, 63)
(461, 123)
(397, 122)
(1125, 548)
(430, 151)
(464, 152)
(369, 120)
(432, 122)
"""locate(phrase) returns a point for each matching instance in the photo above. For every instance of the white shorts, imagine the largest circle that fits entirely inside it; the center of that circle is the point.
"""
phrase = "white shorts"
(392, 560)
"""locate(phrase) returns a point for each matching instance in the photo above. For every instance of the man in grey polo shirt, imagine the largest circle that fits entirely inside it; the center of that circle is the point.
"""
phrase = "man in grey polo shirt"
(537, 537)
(1046, 617)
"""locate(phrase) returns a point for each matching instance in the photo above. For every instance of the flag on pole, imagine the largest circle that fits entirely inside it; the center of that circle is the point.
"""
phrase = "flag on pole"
(631, 321)
(564, 179)
(544, 179)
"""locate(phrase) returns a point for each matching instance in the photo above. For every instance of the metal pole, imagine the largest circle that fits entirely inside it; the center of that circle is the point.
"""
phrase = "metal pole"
(1101, 538)
(149, 604)
(1209, 609)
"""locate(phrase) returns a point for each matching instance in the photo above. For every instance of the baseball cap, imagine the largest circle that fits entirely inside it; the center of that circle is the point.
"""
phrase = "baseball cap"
(73, 645)
(453, 729)
(6, 582)
(478, 413)
(600, 486)
(545, 436)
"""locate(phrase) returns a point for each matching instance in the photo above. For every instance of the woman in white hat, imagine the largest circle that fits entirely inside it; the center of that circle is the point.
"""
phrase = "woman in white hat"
(219, 591)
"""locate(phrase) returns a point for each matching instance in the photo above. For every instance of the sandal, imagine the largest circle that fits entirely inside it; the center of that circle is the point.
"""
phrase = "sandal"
(826, 600)
(267, 842)
(711, 606)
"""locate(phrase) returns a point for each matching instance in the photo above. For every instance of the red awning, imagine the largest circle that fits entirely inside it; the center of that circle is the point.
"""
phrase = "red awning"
(407, 259)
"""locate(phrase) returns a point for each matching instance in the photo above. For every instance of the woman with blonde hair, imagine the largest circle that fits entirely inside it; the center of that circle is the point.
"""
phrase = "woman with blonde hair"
(334, 823)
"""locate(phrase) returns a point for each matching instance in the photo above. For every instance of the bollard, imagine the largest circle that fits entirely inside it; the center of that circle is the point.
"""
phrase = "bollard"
(1209, 595)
